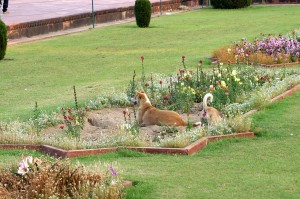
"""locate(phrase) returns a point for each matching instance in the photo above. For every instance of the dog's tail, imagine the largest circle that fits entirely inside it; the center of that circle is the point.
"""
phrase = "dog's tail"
(205, 99)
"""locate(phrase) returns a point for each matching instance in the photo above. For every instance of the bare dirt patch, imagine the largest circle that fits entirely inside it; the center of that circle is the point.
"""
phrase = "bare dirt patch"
(103, 123)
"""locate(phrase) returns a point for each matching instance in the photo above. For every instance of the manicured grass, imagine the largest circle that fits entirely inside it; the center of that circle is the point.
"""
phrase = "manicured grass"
(99, 60)
(266, 166)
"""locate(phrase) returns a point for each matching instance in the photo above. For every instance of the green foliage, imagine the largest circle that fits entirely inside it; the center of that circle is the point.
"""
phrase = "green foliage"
(230, 4)
(3, 39)
(142, 11)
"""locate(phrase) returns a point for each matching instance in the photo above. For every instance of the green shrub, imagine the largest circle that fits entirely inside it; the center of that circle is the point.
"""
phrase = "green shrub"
(230, 4)
(142, 10)
(3, 39)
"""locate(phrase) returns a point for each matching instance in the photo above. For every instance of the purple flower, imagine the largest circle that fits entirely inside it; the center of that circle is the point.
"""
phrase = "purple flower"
(113, 171)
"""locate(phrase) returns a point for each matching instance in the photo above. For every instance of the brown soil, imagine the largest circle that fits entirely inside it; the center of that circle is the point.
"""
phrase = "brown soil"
(106, 122)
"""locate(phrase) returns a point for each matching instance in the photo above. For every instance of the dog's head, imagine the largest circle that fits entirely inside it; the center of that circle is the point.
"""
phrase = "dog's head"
(142, 98)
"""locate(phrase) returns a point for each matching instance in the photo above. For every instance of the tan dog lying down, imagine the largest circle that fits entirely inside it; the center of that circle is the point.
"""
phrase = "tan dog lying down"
(149, 115)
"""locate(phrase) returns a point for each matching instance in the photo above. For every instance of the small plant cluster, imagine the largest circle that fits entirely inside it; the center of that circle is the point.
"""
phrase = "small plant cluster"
(131, 124)
(35, 178)
(266, 50)
(74, 119)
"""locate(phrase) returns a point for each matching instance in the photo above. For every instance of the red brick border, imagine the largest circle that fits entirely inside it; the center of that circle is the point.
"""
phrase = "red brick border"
(286, 93)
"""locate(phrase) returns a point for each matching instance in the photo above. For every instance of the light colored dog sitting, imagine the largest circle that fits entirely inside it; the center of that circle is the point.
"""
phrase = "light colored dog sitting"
(212, 115)
(149, 115)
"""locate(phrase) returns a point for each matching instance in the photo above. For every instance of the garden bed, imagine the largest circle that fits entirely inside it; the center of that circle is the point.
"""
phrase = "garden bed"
(188, 150)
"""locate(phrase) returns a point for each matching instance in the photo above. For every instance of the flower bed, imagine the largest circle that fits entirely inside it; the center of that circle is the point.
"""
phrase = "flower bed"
(188, 150)
(268, 51)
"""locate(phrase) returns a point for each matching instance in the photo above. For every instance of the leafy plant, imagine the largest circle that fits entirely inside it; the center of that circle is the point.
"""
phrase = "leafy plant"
(74, 119)
(142, 11)
(3, 39)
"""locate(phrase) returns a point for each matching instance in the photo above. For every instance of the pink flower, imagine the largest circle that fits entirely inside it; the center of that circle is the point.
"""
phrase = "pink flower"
(160, 82)
(183, 57)
(23, 168)
(69, 110)
(37, 161)
(142, 58)
(166, 97)
(62, 126)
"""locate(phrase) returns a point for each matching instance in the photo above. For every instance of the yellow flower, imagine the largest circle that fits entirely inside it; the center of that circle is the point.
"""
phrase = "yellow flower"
(255, 78)
(237, 79)
(219, 75)
(229, 50)
(233, 72)
(76, 119)
(182, 83)
(221, 64)
(223, 84)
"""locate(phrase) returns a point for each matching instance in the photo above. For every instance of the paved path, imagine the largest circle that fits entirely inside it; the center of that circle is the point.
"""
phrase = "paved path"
(21, 11)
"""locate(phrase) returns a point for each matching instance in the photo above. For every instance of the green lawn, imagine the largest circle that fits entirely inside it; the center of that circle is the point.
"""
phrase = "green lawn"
(266, 166)
(99, 60)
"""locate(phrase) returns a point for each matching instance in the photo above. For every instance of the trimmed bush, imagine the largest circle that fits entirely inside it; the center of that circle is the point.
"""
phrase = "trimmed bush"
(230, 4)
(3, 39)
(142, 11)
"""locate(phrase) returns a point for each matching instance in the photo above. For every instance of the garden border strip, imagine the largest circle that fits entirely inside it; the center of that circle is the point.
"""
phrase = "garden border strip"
(61, 153)
(278, 97)
(189, 150)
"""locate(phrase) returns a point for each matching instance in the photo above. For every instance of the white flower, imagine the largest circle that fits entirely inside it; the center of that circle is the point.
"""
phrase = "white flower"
(23, 168)
(113, 182)
(29, 159)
